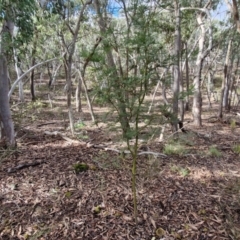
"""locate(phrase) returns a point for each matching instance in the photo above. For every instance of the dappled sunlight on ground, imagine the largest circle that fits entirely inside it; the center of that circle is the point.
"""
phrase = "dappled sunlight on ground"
(193, 194)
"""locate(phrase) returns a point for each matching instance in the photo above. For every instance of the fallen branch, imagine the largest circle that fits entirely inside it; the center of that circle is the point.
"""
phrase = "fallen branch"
(55, 133)
(24, 165)
(156, 154)
(43, 124)
(180, 129)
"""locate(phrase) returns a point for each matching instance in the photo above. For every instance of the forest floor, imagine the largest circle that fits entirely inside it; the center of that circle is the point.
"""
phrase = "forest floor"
(193, 193)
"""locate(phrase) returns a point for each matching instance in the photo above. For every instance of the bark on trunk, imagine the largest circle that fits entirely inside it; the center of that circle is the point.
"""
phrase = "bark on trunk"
(5, 112)
(209, 88)
(19, 73)
(229, 80)
(224, 81)
(54, 75)
(197, 97)
(181, 101)
(50, 75)
(69, 94)
(32, 82)
(78, 95)
(176, 67)
(6, 124)
(233, 83)
(187, 79)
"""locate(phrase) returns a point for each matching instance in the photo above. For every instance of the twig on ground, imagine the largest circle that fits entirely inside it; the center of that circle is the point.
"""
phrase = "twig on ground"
(43, 124)
(56, 133)
(24, 165)
(156, 154)
(176, 131)
(139, 153)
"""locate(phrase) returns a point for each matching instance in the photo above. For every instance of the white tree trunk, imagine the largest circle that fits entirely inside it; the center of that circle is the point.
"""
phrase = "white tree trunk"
(68, 57)
(78, 95)
(28, 71)
(54, 75)
(19, 73)
(197, 97)
(87, 96)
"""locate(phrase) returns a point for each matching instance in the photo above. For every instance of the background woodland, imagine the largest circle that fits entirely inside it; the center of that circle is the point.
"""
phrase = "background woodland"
(131, 107)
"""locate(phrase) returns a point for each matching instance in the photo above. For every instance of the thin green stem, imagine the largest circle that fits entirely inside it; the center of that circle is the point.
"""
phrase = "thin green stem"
(134, 188)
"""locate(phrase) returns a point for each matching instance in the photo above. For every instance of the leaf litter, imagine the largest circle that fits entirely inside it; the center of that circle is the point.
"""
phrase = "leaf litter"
(192, 196)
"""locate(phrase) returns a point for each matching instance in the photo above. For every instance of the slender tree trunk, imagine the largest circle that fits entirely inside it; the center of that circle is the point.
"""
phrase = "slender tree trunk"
(228, 84)
(68, 73)
(78, 95)
(176, 66)
(209, 88)
(181, 101)
(19, 73)
(197, 97)
(20, 91)
(226, 90)
(160, 82)
(187, 79)
(49, 75)
(82, 79)
(69, 60)
(32, 64)
(233, 83)
(54, 75)
(224, 81)
(233, 7)
(164, 94)
(32, 81)
(5, 112)
(6, 124)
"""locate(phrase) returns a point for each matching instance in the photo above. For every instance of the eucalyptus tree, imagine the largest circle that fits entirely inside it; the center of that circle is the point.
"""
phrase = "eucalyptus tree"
(177, 71)
(72, 15)
(81, 70)
(12, 14)
(224, 99)
(204, 21)
(45, 32)
(33, 62)
(196, 43)
(233, 77)
(229, 70)
(233, 7)
(230, 78)
(189, 37)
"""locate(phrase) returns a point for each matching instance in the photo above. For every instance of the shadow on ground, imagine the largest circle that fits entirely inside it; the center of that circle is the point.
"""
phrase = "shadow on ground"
(179, 197)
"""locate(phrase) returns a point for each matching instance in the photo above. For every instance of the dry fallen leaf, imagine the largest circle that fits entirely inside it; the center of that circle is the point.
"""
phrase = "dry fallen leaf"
(127, 218)
(153, 222)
